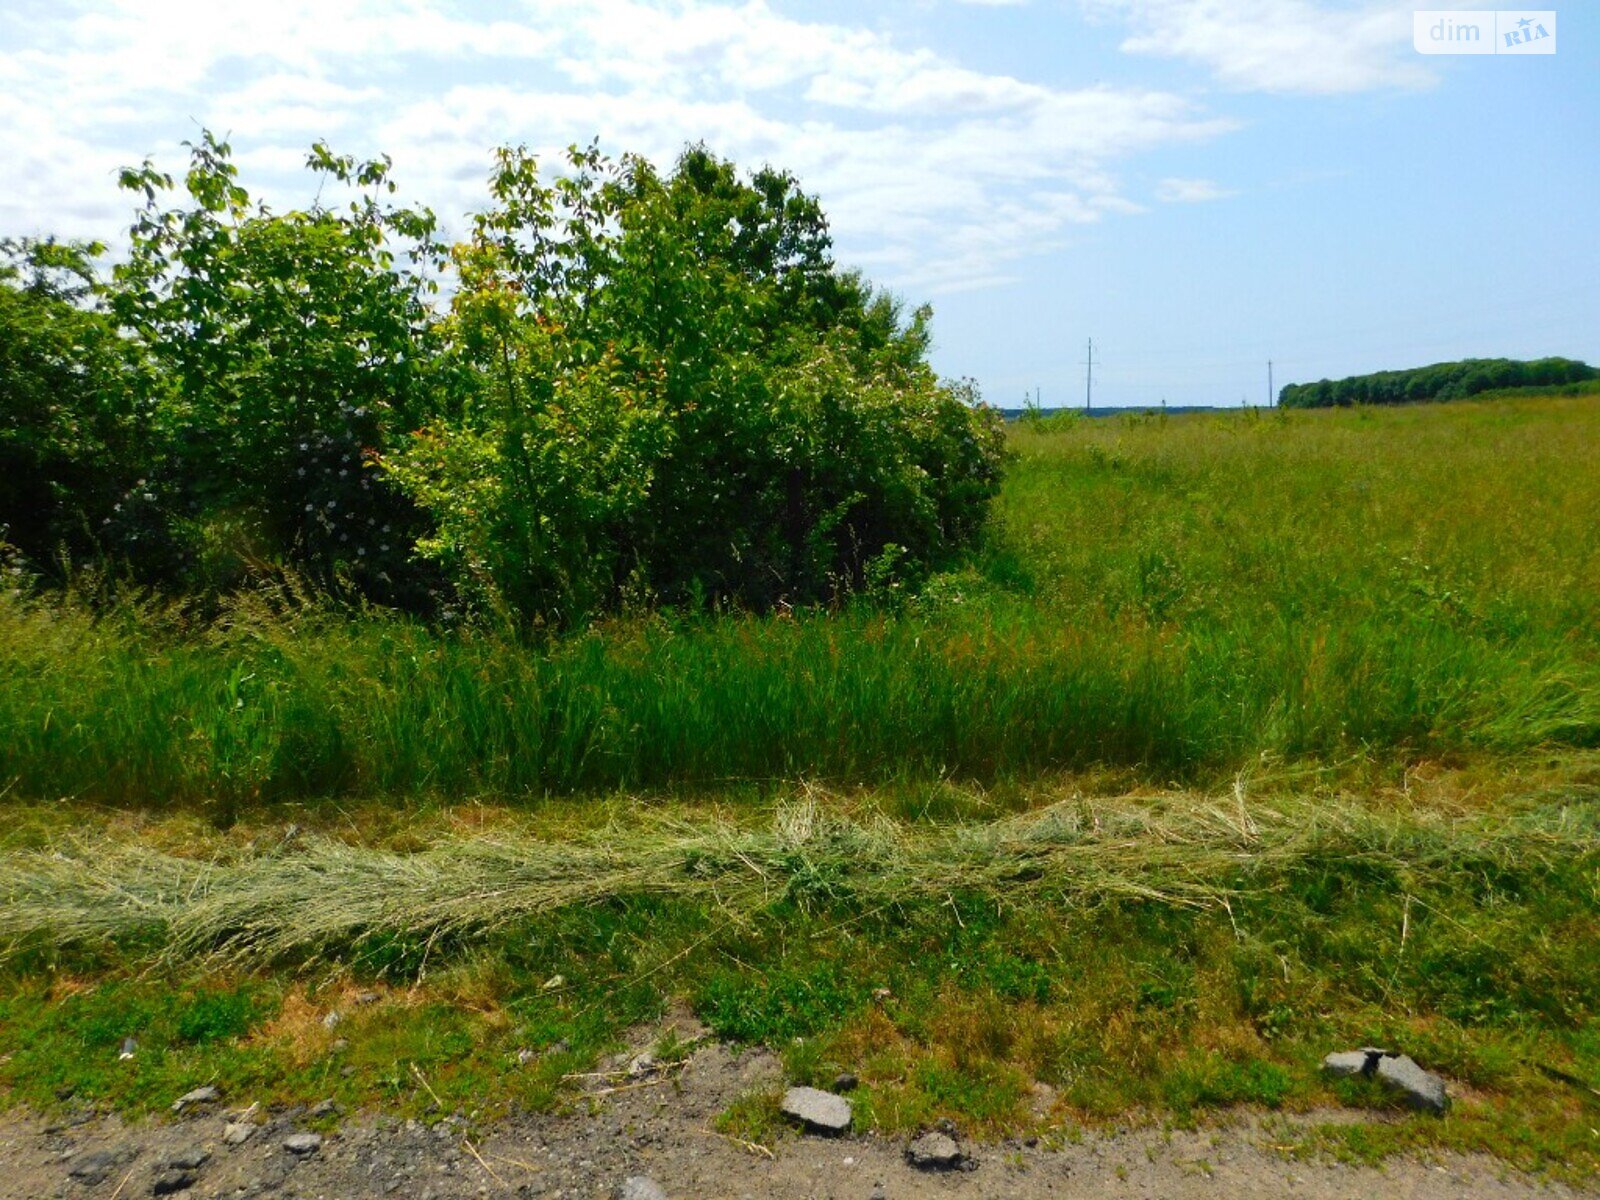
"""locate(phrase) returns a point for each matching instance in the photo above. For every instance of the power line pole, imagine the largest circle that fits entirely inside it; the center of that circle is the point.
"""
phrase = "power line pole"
(1088, 379)
(1272, 396)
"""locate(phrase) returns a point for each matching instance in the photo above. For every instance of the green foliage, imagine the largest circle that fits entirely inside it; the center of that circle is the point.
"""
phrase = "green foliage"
(296, 347)
(212, 1015)
(1440, 382)
(1304, 922)
(755, 1118)
(76, 403)
(669, 393)
(646, 389)
(182, 1035)
(778, 1007)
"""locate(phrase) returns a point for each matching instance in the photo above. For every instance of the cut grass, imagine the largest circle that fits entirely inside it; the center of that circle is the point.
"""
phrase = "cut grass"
(309, 895)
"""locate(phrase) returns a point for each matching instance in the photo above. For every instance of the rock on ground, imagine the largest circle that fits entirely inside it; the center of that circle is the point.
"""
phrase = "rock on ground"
(668, 1135)
(1345, 1063)
(1422, 1089)
(817, 1110)
(200, 1095)
(173, 1180)
(93, 1167)
(303, 1143)
(191, 1158)
(640, 1187)
(934, 1152)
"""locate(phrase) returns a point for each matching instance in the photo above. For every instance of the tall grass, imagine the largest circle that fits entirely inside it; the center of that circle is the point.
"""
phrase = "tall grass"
(1177, 596)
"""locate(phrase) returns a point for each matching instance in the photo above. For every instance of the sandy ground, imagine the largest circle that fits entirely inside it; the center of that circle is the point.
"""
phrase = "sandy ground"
(662, 1129)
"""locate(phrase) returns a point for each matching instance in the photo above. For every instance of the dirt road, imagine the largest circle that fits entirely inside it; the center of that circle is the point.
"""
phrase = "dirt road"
(662, 1130)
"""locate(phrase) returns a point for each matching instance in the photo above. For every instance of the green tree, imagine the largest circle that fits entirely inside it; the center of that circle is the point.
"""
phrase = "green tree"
(668, 389)
(296, 347)
(1439, 382)
(77, 402)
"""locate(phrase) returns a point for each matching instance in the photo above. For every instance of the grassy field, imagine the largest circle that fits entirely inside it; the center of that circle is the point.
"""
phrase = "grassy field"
(1177, 599)
(1250, 737)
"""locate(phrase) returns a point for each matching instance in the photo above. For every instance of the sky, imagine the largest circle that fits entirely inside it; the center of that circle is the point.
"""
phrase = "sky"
(1200, 186)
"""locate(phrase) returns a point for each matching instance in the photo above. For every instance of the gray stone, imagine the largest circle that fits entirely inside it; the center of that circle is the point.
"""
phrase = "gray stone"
(1422, 1089)
(846, 1081)
(368, 998)
(1344, 1063)
(332, 1019)
(640, 1187)
(325, 1108)
(191, 1159)
(1041, 1099)
(172, 1181)
(816, 1110)
(93, 1167)
(934, 1152)
(303, 1143)
(237, 1133)
(200, 1095)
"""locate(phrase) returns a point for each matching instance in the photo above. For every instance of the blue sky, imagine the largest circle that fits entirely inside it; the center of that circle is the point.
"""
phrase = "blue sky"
(1199, 185)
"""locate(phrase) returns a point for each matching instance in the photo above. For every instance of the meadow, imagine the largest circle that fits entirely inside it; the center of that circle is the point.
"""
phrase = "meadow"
(1243, 737)
(1178, 600)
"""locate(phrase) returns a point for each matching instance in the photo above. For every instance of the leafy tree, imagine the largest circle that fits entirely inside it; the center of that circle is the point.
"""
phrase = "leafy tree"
(646, 386)
(669, 390)
(76, 403)
(296, 347)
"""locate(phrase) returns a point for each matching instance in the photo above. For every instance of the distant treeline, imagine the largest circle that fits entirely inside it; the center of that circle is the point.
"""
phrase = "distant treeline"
(1442, 381)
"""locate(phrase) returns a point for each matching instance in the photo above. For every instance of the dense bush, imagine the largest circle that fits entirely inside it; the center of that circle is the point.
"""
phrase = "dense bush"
(671, 393)
(1442, 381)
(297, 348)
(76, 401)
(645, 387)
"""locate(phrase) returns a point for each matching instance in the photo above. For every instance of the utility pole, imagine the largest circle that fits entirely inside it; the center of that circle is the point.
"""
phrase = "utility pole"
(1272, 396)
(1088, 379)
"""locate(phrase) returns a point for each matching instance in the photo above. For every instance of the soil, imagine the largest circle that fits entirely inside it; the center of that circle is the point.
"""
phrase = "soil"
(660, 1126)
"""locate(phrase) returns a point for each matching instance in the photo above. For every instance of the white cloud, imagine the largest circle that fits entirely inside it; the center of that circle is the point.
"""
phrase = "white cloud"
(935, 175)
(1278, 45)
(1191, 191)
